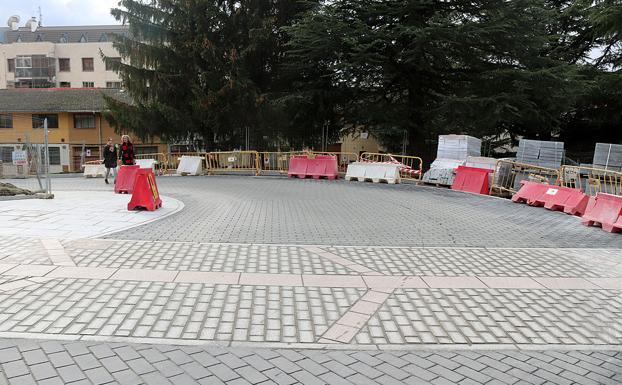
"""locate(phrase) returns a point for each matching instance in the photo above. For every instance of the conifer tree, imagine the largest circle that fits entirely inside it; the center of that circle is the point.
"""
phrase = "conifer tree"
(201, 70)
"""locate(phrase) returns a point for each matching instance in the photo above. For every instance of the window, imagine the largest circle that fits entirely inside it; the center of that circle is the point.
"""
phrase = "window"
(11, 65)
(6, 121)
(113, 84)
(64, 65)
(65, 85)
(110, 62)
(103, 37)
(54, 155)
(83, 39)
(64, 38)
(87, 64)
(84, 121)
(37, 120)
(39, 37)
(88, 84)
(6, 154)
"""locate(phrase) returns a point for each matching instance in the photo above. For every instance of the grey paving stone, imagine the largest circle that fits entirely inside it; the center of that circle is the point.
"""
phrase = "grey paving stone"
(140, 366)
(223, 372)
(23, 380)
(182, 379)
(155, 378)
(195, 370)
(34, 356)
(71, 373)
(99, 376)
(127, 377)
(42, 371)
(113, 364)
(60, 359)
(15, 369)
(553, 378)
(87, 361)
(251, 374)
(339, 369)
(280, 377)
(9, 354)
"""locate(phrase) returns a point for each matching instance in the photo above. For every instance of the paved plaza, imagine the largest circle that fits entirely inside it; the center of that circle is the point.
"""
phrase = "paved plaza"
(263, 280)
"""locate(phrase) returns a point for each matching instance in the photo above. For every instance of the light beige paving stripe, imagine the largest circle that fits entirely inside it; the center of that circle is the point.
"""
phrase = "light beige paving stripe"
(351, 322)
(341, 261)
(56, 252)
(381, 283)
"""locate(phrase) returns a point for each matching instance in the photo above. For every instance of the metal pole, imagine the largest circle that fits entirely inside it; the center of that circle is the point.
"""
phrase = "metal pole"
(48, 183)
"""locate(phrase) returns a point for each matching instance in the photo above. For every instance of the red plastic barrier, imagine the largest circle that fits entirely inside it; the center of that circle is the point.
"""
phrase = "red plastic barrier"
(471, 179)
(605, 209)
(297, 167)
(530, 192)
(566, 199)
(320, 166)
(124, 183)
(145, 192)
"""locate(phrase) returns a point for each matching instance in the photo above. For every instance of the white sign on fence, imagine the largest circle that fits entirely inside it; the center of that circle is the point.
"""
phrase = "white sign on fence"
(20, 158)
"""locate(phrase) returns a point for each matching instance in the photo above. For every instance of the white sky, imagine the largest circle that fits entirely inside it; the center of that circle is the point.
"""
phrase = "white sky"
(60, 12)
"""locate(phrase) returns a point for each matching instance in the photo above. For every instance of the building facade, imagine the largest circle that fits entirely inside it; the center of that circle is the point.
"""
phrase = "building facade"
(58, 57)
(77, 129)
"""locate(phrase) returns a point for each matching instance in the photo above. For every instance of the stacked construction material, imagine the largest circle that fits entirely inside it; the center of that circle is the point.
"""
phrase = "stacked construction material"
(453, 151)
(540, 153)
(458, 147)
(608, 156)
(481, 162)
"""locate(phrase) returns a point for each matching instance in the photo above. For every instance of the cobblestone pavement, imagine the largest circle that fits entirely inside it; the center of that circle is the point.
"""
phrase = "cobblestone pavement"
(53, 362)
(242, 209)
(269, 280)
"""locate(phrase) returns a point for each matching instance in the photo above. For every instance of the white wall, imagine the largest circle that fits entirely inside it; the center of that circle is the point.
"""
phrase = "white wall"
(73, 51)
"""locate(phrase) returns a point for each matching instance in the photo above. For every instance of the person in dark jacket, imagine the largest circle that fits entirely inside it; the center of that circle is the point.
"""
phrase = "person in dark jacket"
(110, 159)
(126, 151)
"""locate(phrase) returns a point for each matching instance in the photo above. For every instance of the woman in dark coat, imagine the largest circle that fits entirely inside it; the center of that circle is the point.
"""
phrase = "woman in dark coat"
(110, 159)
(126, 151)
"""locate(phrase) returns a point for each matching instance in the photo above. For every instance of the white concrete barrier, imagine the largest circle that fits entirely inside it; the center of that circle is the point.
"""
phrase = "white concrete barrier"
(190, 165)
(146, 163)
(94, 171)
(375, 172)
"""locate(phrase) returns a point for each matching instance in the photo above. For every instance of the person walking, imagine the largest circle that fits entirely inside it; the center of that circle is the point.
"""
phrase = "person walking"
(110, 159)
(126, 152)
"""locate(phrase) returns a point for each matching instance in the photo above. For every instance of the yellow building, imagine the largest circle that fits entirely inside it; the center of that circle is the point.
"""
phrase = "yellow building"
(77, 130)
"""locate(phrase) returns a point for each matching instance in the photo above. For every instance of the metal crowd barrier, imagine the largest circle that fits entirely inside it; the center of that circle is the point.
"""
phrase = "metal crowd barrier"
(508, 174)
(591, 180)
(161, 159)
(275, 161)
(233, 161)
(411, 166)
(343, 159)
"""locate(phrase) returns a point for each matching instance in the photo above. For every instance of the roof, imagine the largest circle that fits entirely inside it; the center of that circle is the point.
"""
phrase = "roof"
(65, 34)
(58, 99)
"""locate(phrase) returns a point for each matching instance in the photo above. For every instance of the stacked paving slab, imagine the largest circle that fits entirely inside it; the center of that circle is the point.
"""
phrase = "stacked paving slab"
(453, 151)
(608, 156)
(540, 153)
